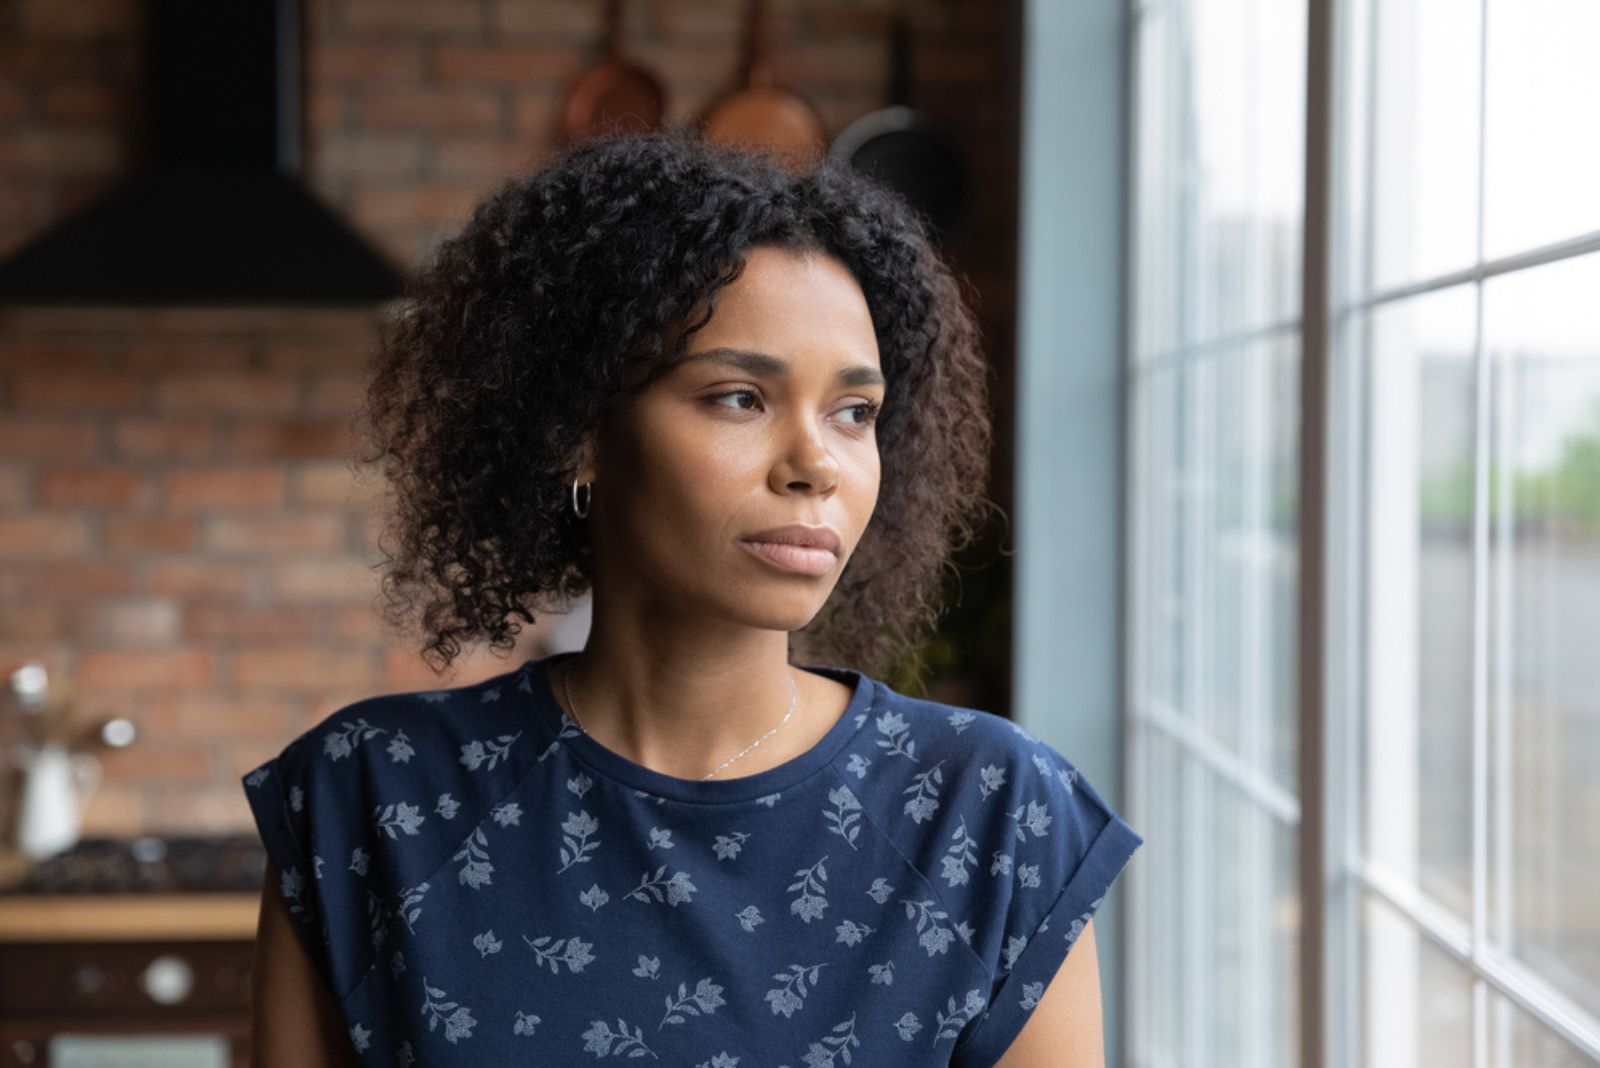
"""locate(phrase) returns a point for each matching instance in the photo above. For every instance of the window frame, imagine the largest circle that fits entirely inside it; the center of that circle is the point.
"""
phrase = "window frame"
(1334, 456)
(1348, 40)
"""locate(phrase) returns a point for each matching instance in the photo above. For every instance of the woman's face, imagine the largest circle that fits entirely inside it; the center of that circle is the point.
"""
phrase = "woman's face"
(768, 422)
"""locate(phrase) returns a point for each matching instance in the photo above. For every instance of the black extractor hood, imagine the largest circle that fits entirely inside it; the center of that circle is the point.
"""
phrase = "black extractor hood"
(215, 210)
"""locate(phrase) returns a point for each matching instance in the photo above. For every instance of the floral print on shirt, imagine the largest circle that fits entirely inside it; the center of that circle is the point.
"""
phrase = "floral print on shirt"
(477, 886)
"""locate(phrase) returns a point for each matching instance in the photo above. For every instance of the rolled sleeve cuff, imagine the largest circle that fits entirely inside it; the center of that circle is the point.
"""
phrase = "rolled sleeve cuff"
(1042, 957)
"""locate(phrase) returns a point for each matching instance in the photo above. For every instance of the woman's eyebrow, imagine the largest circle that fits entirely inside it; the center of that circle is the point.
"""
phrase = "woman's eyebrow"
(765, 365)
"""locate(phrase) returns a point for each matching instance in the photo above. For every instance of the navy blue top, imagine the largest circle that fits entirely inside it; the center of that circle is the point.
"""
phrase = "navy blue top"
(480, 882)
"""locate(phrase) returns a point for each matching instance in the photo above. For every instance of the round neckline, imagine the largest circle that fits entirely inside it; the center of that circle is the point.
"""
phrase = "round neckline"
(620, 769)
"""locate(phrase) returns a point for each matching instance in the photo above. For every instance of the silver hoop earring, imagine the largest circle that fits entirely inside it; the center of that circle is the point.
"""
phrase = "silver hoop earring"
(588, 495)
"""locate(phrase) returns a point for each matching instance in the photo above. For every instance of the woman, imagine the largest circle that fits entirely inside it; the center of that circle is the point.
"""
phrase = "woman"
(746, 411)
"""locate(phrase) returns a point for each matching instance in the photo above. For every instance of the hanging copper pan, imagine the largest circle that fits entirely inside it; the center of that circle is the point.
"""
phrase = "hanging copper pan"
(617, 95)
(759, 112)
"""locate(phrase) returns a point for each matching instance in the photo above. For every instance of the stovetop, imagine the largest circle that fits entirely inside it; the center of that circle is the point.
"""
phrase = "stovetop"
(164, 864)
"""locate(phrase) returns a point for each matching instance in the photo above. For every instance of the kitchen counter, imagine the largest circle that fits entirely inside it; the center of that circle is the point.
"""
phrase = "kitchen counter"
(163, 910)
(129, 917)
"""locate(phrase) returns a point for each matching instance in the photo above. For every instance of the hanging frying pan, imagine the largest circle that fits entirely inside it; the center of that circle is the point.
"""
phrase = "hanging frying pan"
(761, 113)
(617, 95)
(908, 150)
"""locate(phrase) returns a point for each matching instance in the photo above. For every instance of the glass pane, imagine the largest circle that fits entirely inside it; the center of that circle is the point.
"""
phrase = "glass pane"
(1158, 200)
(1220, 171)
(1251, 951)
(1280, 519)
(1416, 1000)
(1425, 166)
(1352, 156)
(1542, 164)
(1163, 996)
(1243, 523)
(1517, 1040)
(1246, 104)
(1417, 752)
(1542, 330)
(1213, 594)
(1217, 214)
(1222, 928)
(1157, 568)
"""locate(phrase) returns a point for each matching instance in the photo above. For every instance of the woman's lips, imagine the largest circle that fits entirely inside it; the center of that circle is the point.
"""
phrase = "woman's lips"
(796, 558)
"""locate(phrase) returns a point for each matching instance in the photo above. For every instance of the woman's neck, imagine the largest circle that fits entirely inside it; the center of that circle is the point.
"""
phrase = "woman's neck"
(683, 714)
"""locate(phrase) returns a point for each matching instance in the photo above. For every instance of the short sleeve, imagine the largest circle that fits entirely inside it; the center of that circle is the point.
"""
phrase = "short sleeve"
(1066, 847)
(309, 821)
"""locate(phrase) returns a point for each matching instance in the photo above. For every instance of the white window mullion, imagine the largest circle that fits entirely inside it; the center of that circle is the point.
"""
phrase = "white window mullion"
(1517, 984)
(1484, 458)
(1256, 564)
(1224, 342)
(1390, 758)
(1261, 560)
(1501, 739)
(1252, 783)
(1482, 461)
(1202, 918)
(1355, 127)
(1565, 249)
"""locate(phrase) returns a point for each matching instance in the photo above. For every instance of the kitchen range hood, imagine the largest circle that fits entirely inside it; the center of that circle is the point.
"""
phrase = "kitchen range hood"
(215, 211)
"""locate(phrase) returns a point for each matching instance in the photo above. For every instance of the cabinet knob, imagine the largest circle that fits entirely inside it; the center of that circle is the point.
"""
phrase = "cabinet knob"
(87, 979)
(167, 979)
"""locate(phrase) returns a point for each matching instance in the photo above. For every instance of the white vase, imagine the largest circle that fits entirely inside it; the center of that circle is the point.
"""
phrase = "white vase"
(57, 787)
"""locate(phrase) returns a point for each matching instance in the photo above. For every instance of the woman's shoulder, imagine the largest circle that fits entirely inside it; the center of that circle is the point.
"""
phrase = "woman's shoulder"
(949, 762)
(1008, 833)
(418, 731)
(373, 797)
(423, 745)
(952, 737)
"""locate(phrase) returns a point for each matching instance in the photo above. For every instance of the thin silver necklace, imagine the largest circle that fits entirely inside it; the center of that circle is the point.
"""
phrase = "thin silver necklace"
(566, 685)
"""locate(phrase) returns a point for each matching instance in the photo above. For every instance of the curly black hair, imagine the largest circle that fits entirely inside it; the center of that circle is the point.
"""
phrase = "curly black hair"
(571, 287)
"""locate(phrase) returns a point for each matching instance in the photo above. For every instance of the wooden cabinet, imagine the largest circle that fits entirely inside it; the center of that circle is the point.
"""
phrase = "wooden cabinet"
(165, 977)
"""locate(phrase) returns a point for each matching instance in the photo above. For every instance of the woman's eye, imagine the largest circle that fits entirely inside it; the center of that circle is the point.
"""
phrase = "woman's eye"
(869, 412)
(734, 393)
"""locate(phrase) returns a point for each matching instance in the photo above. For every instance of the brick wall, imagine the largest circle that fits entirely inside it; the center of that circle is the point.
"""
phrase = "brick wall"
(181, 532)
(184, 540)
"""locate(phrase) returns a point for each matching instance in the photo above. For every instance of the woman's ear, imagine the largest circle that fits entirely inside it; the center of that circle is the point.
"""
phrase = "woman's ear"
(587, 469)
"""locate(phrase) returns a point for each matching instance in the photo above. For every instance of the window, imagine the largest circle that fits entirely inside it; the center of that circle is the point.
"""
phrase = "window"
(1462, 577)
(1218, 175)
(1467, 329)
